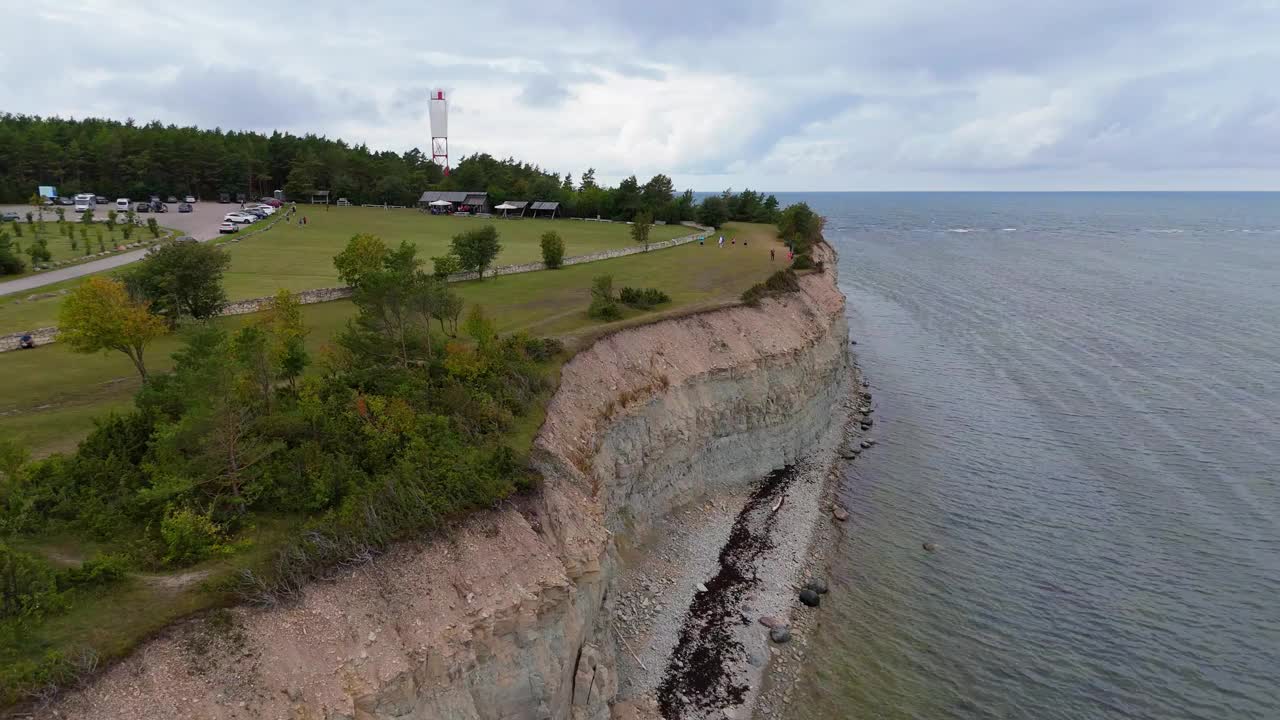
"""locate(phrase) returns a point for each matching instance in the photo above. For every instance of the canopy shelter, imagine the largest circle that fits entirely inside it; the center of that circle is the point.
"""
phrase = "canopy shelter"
(319, 197)
(512, 206)
(476, 202)
(440, 203)
(545, 209)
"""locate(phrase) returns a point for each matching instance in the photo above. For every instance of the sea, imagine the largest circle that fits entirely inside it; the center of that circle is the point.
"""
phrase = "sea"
(1077, 400)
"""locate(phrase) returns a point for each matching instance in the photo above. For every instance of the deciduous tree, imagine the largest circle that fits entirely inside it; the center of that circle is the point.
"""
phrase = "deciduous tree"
(99, 315)
(476, 249)
(640, 228)
(181, 280)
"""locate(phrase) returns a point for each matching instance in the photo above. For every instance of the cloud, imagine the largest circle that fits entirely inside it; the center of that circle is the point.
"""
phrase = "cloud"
(829, 94)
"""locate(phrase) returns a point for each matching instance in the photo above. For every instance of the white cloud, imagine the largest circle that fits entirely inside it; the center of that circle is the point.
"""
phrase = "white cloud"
(965, 94)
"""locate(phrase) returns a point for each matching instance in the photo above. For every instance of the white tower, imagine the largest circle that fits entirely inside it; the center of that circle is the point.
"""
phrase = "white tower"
(439, 110)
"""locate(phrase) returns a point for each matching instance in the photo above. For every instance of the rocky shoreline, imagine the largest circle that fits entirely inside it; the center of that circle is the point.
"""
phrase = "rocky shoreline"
(707, 618)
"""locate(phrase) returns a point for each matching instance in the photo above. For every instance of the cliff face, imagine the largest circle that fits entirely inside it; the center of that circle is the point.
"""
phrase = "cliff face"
(509, 618)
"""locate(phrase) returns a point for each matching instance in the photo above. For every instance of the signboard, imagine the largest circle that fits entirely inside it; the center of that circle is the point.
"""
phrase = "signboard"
(48, 191)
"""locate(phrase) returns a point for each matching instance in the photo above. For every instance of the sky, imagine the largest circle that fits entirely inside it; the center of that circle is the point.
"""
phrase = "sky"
(781, 96)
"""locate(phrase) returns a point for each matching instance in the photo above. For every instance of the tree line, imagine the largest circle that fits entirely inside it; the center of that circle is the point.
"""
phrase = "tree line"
(125, 159)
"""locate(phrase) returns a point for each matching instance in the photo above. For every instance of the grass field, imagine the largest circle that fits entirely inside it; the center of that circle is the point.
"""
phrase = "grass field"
(73, 248)
(54, 395)
(301, 258)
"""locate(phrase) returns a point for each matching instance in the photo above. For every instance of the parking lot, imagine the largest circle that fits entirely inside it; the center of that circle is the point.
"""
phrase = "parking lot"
(201, 223)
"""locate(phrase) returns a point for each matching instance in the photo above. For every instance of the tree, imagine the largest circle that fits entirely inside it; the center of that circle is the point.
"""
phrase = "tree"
(181, 280)
(289, 335)
(36, 202)
(604, 306)
(13, 455)
(552, 249)
(640, 228)
(713, 211)
(476, 249)
(363, 255)
(10, 263)
(801, 227)
(61, 213)
(86, 217)
(38, 249)
(112, 215)
(99, 315)
(153, 227)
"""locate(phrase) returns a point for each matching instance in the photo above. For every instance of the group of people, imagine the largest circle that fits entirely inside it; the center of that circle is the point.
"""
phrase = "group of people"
(734, 241)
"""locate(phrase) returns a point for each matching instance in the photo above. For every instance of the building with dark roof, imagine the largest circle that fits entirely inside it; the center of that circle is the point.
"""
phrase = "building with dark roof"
(462, 201)
(544, 208)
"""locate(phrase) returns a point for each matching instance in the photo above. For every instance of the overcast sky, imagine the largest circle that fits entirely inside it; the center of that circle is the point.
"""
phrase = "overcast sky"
(814, 95)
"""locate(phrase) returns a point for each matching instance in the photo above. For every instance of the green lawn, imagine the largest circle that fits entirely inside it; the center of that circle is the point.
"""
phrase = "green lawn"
(61, 246)
(298, 258)
(301, 258)
(54, 394)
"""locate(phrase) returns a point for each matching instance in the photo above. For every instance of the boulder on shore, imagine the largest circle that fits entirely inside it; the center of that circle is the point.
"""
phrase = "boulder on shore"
(771, 622)
(810, 598)
(840, 514)
(780, 634)
(929, 547)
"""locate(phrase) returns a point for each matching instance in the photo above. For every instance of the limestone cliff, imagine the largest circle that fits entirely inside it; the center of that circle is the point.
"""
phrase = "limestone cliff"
(509, 617)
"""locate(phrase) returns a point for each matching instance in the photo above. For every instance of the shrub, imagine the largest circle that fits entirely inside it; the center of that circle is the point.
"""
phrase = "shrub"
(643, 298)
(552, 249)
(802, 262)
(188, 537)
(604, 306)
(542, 349)
(782, 281)
(445, 266)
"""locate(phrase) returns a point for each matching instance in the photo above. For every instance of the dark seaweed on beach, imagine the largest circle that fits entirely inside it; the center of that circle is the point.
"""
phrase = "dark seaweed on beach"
(706, 648)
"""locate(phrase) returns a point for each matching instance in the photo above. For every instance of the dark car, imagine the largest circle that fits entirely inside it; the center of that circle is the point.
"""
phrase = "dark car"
(224, 198)
(159, 207)
(100, 199)
(9, 217)
(143, 207)
(66, 201)
(184, 207)
(172, 199)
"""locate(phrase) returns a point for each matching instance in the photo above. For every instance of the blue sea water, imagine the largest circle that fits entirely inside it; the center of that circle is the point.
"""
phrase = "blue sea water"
(1078, 399)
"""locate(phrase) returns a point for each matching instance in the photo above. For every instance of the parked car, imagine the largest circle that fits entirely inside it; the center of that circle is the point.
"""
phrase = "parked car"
(100, 199)
(256, 211)
(159, 207)
(184, 207)
(171, 199)
(66, 201)
(9, 217)
(190, 199)
(154, 198)
(227, 227)
(272, 202)
(122, 205)
(143, 207)
(224, 198)
(241, 218)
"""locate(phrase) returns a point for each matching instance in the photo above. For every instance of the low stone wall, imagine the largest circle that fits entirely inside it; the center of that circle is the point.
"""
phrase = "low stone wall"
(44, 336)
(306, 297)
(40, 336)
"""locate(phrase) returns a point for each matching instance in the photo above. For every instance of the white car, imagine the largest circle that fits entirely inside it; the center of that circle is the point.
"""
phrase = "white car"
(240, 218)
(264, 208)
(123, 205)
(189, 199)
(228, 227)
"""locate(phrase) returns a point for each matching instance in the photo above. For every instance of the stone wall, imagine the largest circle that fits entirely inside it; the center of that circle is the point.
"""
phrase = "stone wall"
(306, 297)
(41, 336)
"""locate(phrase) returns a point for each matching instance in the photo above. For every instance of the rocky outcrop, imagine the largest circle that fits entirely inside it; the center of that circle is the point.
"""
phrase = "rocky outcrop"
(509, 616)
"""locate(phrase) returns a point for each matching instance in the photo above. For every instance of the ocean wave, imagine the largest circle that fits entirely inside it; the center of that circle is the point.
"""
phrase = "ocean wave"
(1008, 229)
(963, 230)
(1164, 231)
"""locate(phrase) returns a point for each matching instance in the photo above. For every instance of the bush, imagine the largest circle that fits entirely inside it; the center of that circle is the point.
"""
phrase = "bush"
(604, 306)
(552, 249)
(445, 266)
(188, 537)
(542, 349)
(802, 262)
(782, 281)
(643, 298)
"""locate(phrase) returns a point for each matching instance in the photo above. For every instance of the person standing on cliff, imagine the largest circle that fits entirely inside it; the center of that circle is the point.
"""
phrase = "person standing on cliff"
(770, 254)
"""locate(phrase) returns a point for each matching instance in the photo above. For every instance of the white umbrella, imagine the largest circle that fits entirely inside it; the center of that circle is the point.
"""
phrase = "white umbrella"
(439, 203)
(505, 206)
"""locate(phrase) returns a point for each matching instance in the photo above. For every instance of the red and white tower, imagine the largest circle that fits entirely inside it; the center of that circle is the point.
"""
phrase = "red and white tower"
(439, 110)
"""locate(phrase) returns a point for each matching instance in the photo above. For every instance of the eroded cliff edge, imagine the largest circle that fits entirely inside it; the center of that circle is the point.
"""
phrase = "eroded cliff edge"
(509, 617)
